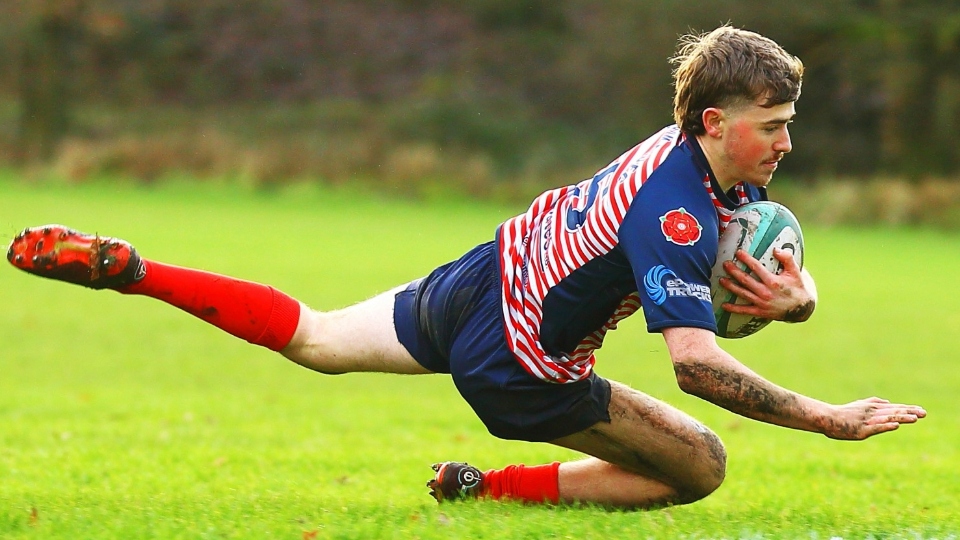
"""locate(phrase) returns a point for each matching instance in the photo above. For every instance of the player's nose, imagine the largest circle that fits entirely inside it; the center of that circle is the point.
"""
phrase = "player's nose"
(783, 144)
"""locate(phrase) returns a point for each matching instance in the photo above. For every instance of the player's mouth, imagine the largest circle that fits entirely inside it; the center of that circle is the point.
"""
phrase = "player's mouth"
(771, 164)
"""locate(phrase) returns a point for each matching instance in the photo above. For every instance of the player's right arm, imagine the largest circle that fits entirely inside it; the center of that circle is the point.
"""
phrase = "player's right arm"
(705, 370)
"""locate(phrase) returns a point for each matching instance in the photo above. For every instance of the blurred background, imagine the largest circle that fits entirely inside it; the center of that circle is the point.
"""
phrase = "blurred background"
(479, 98)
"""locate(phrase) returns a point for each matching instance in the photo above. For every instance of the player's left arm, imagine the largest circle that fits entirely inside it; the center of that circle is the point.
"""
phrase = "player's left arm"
(789, 296)
(705, 370)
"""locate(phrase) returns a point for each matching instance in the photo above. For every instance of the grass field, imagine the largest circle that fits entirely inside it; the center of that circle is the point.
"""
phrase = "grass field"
(121, 417)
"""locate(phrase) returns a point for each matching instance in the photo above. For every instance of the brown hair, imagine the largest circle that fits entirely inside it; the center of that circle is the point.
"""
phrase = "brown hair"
(729, 67)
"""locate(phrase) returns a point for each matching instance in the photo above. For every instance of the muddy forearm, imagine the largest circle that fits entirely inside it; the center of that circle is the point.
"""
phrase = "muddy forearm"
(743, 392)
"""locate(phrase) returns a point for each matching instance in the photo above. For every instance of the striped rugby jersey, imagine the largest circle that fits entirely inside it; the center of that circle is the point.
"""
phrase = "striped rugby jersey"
(586, 256)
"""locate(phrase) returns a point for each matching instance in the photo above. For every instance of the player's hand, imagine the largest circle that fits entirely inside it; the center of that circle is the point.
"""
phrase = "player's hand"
(867, 417)
(788, 296)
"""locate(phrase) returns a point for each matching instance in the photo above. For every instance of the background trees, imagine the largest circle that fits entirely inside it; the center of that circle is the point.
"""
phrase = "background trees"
(564, 81)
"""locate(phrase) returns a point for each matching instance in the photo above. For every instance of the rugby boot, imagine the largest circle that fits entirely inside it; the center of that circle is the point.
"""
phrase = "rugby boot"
(61, 253)
(455, 481)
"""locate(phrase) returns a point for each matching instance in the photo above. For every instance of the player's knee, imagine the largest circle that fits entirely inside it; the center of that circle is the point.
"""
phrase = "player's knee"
(707, 471)
(315, 346)
(700, 488)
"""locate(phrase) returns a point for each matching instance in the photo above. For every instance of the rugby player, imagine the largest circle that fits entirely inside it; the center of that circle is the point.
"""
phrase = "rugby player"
(516, 320)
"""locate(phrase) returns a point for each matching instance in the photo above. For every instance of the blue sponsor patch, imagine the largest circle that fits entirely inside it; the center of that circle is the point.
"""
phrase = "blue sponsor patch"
(651, 282)
(659, 289)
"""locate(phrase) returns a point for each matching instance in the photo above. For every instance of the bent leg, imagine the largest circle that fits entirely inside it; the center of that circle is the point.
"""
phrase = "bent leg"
(650, 454)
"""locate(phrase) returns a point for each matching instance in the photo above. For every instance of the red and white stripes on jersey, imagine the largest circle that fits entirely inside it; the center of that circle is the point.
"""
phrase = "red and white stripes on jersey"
(539, 248)
(723, 212)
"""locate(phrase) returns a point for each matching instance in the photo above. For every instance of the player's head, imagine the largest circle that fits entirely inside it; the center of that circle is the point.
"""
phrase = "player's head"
(727, 68)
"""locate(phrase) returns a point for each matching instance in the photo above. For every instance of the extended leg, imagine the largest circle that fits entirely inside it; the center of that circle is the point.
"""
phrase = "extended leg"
(359, 338)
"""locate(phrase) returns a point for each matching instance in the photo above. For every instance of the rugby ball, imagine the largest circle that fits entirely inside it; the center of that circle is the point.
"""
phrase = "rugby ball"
(757, 228)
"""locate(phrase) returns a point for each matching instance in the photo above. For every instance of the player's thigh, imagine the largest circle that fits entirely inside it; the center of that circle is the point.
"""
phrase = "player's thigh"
(653, 439)
(361, 337)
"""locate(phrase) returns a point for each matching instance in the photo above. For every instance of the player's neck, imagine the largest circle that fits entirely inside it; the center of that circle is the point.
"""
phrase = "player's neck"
(713, 152)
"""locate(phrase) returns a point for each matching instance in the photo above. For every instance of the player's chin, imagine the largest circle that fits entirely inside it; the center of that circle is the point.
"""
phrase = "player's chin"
(761, 179)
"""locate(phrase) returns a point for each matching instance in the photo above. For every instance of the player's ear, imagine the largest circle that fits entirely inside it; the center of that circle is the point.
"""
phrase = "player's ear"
(712, 121)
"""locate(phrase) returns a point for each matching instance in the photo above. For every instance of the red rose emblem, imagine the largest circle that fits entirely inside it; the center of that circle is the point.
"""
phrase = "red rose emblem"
(680, 227)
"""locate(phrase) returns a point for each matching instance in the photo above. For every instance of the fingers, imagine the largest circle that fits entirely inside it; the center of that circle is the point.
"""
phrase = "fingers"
(752, 264)
(787, 259)
(746, 309)
(902, 418)
(888, 413)
(739, 290)
(880, 428)
(909, 410)
(758, 275)
(753, 304)
(885, 407)
(876, 415)
(741, 281)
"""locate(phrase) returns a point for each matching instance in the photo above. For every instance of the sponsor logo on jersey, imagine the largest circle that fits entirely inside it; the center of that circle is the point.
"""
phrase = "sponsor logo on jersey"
(659, 289)
(546, 238)
(680, 227)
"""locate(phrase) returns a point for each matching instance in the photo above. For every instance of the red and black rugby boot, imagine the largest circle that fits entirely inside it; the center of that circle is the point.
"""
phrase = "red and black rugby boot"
(61, 253)
(455, 481)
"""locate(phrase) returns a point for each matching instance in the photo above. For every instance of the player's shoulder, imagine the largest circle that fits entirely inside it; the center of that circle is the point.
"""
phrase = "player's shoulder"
(649, 151)
(678, 180)
(676, 190)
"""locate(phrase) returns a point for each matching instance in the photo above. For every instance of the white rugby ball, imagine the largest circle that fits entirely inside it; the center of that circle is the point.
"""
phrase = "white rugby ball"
(757, 228)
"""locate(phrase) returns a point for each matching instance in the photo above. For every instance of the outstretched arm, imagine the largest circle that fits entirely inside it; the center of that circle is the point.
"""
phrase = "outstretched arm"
(705, 370)
(789, 296)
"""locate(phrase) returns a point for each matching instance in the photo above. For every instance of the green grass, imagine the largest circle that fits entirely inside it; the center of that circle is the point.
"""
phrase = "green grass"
(121, 417)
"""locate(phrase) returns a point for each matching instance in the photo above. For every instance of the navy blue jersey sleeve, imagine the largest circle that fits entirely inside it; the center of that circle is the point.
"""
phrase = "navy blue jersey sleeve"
(669, 237)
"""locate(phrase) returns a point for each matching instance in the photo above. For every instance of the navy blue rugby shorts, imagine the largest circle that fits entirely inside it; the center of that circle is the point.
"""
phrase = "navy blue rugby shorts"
(451, 322)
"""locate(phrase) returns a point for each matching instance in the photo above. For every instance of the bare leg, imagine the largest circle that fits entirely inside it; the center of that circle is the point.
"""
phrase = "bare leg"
(649, 455)
(358, 338)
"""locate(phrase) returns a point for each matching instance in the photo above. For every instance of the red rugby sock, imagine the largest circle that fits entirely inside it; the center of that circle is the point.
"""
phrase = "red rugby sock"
(536, 484)
(256, 313)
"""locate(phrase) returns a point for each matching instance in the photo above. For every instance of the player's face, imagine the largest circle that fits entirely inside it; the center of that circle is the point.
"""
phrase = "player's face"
(755, 140)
